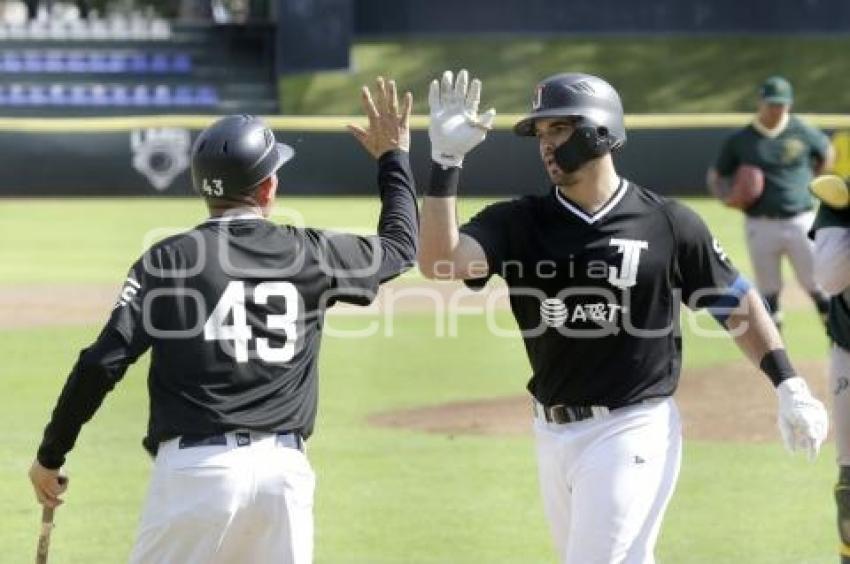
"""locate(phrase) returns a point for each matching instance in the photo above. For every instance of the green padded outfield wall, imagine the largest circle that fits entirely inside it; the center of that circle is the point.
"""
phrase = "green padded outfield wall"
(149, 156)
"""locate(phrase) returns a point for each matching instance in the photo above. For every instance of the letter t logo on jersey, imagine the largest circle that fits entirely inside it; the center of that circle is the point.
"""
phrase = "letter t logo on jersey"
(626, 275)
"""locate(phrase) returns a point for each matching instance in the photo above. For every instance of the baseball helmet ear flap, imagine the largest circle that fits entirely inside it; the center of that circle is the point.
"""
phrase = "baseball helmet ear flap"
(586, 143)
(598, 140)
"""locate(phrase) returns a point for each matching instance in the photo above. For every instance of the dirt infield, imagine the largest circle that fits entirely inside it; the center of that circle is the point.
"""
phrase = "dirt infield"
(731, 402)
(50, 305)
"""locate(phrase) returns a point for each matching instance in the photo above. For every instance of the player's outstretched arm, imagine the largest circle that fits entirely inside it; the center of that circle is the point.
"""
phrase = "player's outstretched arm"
(455, 129)
(802, 419)
(709, 280)
(389, 124)
(387, 139)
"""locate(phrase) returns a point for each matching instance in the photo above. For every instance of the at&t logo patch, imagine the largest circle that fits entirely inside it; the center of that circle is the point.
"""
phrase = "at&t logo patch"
(553, 312)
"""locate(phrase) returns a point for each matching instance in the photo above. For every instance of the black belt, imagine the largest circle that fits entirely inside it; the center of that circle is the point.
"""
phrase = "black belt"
(561, 414)
(242, 438)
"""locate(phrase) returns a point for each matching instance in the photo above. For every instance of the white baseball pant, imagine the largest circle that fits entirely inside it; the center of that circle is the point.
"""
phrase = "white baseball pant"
(229, 503)
(839, 383)
(606, 481)
(768, 239)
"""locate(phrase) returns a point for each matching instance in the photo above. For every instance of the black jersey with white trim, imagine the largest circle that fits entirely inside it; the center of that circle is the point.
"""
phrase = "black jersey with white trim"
(235, 344)
(233, 312)
(597, 296)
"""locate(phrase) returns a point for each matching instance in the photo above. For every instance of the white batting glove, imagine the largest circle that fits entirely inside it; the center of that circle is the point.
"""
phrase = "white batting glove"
(802, 418)
(456, 128)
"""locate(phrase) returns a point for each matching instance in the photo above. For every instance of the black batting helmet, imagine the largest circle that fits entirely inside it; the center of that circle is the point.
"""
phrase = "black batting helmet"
(583, 96)
(235, 154)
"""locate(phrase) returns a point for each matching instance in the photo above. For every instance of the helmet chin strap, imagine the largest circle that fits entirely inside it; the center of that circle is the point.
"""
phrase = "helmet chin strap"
(585, 144)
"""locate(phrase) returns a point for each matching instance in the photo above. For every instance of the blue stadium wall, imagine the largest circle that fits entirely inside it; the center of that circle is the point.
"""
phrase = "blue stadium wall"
(378, 17)
(318, 34)
(145, 156)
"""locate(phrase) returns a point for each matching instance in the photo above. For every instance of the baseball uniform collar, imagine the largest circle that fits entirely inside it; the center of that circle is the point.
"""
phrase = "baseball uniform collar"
(774, 132)
(601, 212)
(236, 214)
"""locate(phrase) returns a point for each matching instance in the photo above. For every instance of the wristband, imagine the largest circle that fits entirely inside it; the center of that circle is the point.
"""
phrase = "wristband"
(444, 181)
(776, 365)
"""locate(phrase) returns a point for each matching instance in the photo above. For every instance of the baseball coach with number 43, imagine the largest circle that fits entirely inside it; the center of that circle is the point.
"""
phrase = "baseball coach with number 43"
(232, 311)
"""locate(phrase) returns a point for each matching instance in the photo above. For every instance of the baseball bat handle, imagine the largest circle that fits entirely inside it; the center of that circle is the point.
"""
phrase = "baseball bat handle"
(46, 528)
(44, 537)
(47, 515)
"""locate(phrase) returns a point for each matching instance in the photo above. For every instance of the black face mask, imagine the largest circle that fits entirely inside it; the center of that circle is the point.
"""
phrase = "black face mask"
(585, 144)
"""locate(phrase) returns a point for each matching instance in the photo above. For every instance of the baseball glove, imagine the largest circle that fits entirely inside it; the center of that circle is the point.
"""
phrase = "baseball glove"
(831, 190)
(747, 187)
(742, 190)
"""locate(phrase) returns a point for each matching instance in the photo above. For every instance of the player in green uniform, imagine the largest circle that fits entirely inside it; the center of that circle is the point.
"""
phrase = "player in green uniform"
(832, 271)
(789, 152)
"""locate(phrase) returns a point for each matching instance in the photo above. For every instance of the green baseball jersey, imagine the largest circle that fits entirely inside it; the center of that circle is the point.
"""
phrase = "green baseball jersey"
(786, 160)
(838, 320)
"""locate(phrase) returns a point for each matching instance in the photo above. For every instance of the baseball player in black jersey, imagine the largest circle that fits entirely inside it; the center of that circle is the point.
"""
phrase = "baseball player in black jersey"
(232, 311)
(596, 268)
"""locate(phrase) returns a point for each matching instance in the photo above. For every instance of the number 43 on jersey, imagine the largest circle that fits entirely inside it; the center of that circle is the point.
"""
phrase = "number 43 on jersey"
(232, 303)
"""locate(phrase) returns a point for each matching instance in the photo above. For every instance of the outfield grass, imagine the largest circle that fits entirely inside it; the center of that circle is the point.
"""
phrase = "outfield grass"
(384, 495)
(653, 74)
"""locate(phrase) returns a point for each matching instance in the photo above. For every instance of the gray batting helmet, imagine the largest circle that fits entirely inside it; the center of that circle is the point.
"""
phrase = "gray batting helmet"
(578, 95)
(235, 154)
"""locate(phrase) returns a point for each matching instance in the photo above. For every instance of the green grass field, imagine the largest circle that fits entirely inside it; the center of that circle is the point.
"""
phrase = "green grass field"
(383, 496)
(654, 74)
